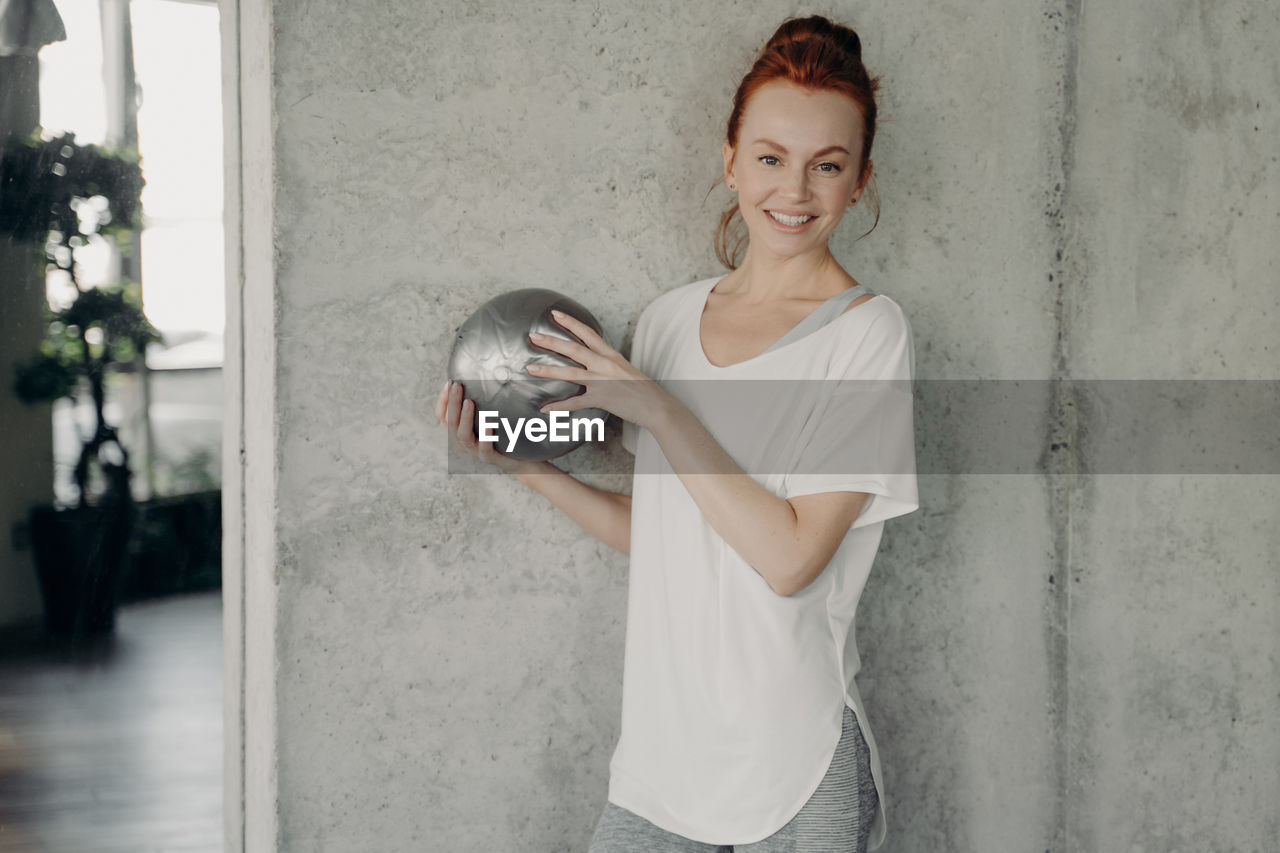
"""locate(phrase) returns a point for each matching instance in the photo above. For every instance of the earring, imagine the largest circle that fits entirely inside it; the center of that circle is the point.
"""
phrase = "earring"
(733, 187)
(852, 203)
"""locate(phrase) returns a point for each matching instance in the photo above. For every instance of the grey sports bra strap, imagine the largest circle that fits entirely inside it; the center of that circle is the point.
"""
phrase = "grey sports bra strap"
(820, 316)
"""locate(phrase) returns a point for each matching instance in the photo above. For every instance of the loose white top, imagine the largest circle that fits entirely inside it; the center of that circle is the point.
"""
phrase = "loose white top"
(732, 694)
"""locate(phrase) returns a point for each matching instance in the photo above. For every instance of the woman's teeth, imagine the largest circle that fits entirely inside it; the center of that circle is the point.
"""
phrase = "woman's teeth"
(790, 220)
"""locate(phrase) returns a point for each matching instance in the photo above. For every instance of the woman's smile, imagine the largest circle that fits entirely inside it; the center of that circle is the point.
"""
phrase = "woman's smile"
(791, 222)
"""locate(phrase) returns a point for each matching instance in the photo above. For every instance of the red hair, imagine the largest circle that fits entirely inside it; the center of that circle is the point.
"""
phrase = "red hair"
(818, 55)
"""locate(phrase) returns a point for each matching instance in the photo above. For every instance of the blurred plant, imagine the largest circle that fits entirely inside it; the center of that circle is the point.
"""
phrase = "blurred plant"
(67, 195)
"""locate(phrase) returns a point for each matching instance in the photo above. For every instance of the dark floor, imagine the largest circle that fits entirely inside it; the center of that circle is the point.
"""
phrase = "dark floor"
(116, 747)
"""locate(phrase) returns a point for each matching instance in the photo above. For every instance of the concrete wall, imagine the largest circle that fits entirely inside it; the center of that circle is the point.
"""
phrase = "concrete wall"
(1173, 678)
(1063, 662)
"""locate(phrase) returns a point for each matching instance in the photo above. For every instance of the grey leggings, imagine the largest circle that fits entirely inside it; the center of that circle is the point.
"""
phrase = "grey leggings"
(836, 819)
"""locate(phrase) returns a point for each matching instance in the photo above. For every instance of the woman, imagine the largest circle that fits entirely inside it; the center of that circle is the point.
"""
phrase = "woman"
(742, 728)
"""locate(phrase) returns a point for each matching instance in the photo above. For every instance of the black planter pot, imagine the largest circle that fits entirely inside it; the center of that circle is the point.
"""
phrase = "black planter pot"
(79, 554)
(176, 546)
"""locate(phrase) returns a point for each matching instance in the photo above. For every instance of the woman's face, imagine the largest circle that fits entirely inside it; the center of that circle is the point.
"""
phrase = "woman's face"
(796, 159)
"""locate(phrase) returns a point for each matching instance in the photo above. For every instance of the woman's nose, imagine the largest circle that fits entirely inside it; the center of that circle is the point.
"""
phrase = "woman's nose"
(797, 183)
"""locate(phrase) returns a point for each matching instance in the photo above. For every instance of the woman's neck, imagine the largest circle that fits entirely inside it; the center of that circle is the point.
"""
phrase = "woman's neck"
(763, 278)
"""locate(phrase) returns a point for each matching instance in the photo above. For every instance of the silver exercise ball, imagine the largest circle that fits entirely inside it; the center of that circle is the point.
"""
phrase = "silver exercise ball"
(489, 356)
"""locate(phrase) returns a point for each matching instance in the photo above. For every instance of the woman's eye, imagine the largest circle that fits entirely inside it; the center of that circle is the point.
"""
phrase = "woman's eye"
(834, 168)
(766, 158)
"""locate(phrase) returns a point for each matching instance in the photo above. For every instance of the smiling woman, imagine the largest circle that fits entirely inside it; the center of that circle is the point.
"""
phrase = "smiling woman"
(741, 722)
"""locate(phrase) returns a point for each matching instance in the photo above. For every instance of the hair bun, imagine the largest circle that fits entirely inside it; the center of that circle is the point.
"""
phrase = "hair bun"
(816, 27)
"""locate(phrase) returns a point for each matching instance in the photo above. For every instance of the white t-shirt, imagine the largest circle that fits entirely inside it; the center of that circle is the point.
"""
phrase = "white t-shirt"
(732, 694)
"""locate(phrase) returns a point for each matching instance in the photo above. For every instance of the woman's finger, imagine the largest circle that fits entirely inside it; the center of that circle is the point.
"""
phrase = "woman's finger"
(569, 404)
(452, 406)
(571, 350)
(465, 436)
(442, 402)
(585, 333)
(460, 424)
(555, 371)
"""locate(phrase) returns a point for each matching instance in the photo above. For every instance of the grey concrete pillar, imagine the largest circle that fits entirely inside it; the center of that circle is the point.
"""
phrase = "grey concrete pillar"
(1173, 192)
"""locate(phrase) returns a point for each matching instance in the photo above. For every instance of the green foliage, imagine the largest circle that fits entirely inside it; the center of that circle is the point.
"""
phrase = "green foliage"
(65, 195)
(103, 326)
(41, 180)
(43, 379)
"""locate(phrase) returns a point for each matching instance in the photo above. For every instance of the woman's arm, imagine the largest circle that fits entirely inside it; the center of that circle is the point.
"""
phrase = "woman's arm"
(788, 541)
(605, 515)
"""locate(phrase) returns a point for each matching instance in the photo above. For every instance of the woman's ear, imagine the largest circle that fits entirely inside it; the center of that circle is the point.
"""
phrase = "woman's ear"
(862, 183)
(727, 153)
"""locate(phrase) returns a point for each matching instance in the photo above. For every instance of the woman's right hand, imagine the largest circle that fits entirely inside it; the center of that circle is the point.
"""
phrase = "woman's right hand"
(458, 414)
(605, 515)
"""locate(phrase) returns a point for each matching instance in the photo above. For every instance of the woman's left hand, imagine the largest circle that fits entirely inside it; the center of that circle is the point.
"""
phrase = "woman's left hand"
(637, 399)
